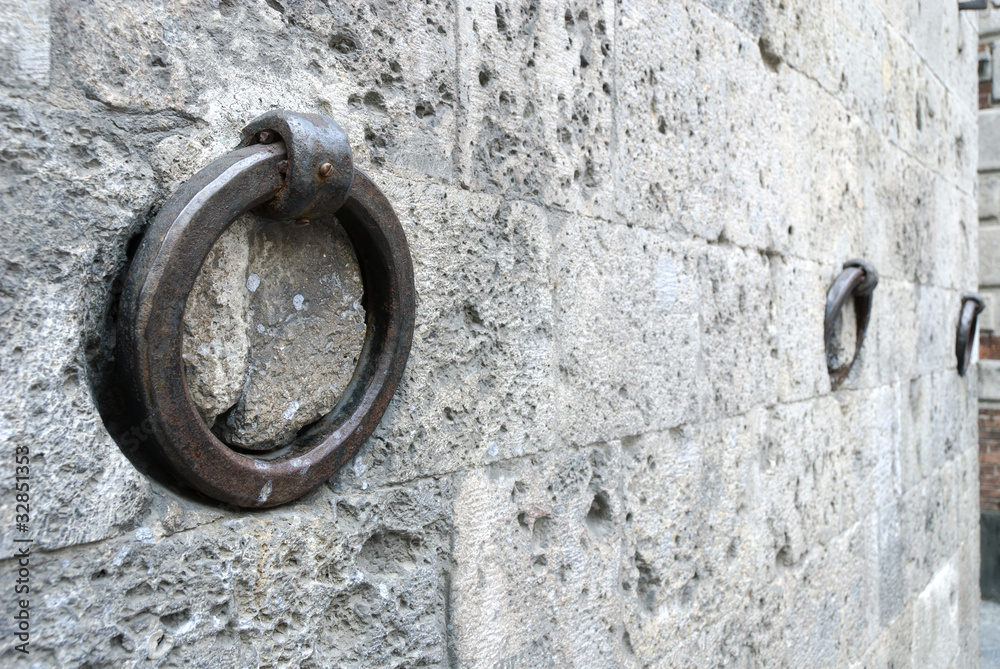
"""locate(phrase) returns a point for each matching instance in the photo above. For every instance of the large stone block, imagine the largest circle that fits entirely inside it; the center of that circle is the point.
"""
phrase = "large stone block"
(626, 292)
(989, 140)
(989, 21)
(536, 90)
(388, 77)
(988, 189)
(912, 331)
(699, 551)
(668, 318)
(838, 628)
(873, 59)
(351, 581)
(54, 312)
(539, 575)
(683, 97)
(817, 480)
(909, 225)
(478, 386)
(799, 306)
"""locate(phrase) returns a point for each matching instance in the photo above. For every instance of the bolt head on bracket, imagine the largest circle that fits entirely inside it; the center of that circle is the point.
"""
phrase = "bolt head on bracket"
(320, 167)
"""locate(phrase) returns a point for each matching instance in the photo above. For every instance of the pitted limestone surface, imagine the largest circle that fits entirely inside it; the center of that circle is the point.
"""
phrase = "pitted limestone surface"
(615, 442)
(216, 331)
(273, 329)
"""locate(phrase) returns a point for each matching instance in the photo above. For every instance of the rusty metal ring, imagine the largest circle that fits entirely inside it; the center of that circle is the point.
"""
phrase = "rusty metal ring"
(972, 306)
(859, 279)
(148, 354)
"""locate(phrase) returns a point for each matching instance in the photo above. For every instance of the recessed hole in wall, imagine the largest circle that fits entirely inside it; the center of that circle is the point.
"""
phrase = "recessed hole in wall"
(599, 520)
(343, 42)
(259, 369)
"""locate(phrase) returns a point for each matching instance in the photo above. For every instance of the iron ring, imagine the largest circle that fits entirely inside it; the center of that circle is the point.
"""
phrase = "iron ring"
(972, 306)
(859, 279)
(148, 350)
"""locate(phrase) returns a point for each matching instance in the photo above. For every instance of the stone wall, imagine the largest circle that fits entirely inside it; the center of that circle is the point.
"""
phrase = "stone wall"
(615, 443)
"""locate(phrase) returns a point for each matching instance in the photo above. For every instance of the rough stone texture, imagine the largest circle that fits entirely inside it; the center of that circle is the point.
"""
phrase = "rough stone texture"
(615, 443)
(216, 331)
(307, 328)
(273, 329)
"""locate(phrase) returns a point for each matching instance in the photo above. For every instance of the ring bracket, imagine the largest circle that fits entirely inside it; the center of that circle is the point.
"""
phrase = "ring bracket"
(859, 279)
(972, 306)
(870, 277)
(320, 165)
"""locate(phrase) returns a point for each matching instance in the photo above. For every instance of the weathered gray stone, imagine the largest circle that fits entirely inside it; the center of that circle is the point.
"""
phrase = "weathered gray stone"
(24, 43)
(799, 305)
(989, 21)
(194, 589)
(988, 316)
(298, 336)
(989, 255)
(658, 311)
(536, 101)
(614, 443)
(53, 312)
(479, 385)
(216, 331)
(936, 622)
(988, 187)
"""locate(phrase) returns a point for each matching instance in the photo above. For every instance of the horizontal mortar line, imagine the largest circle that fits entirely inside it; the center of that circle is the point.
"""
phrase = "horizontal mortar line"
(927, 66)
(577, 446)
(888, 141)
(905, 37)
(767, 407)
(52, 553)
(672, 238)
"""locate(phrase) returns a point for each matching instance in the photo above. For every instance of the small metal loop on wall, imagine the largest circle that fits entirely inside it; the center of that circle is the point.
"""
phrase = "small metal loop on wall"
(859, 279)
(972, 306)
(288, 166)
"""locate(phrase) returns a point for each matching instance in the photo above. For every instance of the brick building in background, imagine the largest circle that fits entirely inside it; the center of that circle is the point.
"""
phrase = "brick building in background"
(989, 287)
